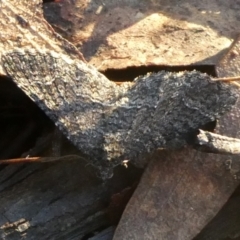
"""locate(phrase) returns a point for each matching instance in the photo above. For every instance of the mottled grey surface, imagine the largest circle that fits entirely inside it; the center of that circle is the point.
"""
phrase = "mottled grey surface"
(112, 123)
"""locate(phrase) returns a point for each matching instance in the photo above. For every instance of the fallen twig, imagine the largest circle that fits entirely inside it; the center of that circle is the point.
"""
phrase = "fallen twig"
(215, 143)
(39, 159)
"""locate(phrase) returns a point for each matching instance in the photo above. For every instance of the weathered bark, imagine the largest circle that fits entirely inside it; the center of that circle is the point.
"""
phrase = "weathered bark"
(55, 201)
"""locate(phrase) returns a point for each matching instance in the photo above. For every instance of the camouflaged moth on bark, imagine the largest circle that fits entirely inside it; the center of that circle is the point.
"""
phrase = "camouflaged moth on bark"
(111, 123)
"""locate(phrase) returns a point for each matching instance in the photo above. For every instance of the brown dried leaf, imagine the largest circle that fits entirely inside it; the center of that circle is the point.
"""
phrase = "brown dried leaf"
(178, 194)
(117, 34)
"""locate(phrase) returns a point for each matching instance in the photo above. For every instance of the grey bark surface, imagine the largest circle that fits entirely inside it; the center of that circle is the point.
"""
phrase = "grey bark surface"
(54, 201)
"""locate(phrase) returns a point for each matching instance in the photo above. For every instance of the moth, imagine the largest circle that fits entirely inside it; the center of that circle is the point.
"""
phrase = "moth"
(113, 123)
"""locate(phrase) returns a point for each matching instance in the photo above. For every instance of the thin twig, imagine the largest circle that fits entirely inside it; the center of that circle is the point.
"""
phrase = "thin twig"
(229, 79)
(39, 159)
(215, 143)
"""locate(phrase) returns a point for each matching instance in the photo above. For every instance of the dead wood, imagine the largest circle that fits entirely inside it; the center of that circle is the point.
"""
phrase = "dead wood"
(61, 200)
(215, 143)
